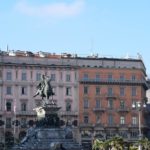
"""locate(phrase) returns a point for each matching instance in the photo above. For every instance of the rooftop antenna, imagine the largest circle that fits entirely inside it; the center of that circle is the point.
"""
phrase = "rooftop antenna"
(139, 56)
(7, 48)
(127, 56)
(92, 46)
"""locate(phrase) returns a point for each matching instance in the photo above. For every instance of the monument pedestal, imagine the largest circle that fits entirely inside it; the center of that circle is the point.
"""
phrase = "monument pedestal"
(47, 135)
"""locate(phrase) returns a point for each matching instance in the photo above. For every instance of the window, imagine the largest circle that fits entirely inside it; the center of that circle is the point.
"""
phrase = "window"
(134, 120)
(110, 103)
(133, 77)
(68, 91)
(38, 76)
(16, 74)
(97, 77)
(86, 119)
(122, 104)
(134, 134)
(23, 90)
(23, 106)
(68, 105)
(75, 76)
(97, 119)
(8, 76)
(8, 122)
(68, 78)
(85, 103)
(24, 76)
(109, 77)
(97, 103)
(123, 133)
(0, 73)
(8, 90)
(8, 106)
(31, 74)
(122, 91)
(54, 90)
(85, 90)
(23, 122)
(110, 119)
(122, 120)
(122, 78)
(110, 91)
(61, 75)
(85, 76)
(133, 90)
(53, 77)
(97, 90)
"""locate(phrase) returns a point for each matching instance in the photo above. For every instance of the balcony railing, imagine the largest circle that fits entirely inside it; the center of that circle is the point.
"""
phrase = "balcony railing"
(111, 125)
(86, 125)
(134, 125)
(69, 113)
(123, 125)
(123, 109)
(106, 80)
(100, 109)
(28, 113)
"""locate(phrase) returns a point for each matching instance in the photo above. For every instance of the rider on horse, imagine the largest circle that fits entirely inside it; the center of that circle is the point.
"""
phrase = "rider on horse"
(44, 88)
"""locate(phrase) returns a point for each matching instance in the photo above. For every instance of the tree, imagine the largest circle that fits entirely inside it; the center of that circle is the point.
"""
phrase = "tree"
(145, 143)
(98, 145)
(116, 143)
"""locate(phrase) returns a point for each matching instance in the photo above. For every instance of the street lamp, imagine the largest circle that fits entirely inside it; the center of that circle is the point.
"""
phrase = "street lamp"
(139, 106)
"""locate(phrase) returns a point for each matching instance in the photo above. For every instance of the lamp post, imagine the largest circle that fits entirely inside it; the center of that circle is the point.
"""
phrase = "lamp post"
(139, 106)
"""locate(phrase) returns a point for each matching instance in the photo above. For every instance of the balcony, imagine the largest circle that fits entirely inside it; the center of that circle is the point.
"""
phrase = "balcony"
(24, 83)
(69, 113)
(25, 113)
(113, 96)
(134, 126)
(123, 125)
(113, 81)
(99, 126)
(100, 109)
(123, 109)
(84, 125)
(111, 125)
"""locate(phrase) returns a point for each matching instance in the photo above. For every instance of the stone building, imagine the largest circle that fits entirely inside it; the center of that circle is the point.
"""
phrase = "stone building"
(20, 73)
(108, 88)
(96, 94)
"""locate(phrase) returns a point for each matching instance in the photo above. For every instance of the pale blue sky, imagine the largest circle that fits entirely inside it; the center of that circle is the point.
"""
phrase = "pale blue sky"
(107, 27)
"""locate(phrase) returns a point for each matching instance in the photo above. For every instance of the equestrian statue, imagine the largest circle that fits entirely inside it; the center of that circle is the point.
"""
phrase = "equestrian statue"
(44, 89)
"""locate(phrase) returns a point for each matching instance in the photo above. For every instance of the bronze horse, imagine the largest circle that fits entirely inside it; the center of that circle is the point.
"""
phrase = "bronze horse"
(44, 89)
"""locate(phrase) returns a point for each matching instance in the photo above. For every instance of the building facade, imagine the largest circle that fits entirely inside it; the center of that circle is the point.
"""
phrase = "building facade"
(19, 76)
(107, 93)
(95, 94)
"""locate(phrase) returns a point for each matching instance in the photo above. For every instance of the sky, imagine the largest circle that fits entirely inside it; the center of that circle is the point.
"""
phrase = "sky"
(110, 28)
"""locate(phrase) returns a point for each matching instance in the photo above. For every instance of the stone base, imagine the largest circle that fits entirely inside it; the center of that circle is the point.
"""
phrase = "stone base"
(47, 116)
(48, 139)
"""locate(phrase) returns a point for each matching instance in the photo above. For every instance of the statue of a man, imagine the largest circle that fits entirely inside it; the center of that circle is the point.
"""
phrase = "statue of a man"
(44, 88)
(40, 87)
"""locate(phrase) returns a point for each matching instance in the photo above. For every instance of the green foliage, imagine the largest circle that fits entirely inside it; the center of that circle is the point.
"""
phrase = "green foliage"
(98, 145)
(145, 143)
(133, 147)
(117, 143)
